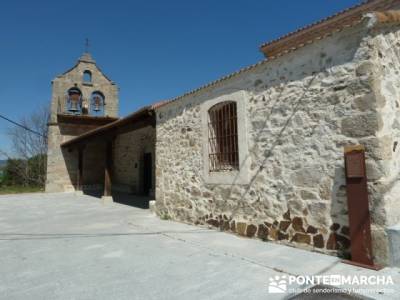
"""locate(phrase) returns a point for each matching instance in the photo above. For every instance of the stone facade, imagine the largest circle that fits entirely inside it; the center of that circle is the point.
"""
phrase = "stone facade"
(62, 163)
(383, 69)
(129, 149)
(299, 111)
(74, 78)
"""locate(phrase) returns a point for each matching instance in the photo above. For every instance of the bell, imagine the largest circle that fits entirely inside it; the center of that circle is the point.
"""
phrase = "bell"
(97, 104)
(74, 106)
(74, 101)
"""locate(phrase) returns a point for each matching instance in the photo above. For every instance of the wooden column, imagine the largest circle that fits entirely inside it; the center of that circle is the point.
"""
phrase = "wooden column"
(79, 180)
(108, 169)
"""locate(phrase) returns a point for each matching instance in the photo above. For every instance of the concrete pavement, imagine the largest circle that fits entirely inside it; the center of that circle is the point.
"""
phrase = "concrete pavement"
(64, 246)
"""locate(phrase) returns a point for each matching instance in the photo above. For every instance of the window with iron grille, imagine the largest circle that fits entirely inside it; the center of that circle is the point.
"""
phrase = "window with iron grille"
(223, 137)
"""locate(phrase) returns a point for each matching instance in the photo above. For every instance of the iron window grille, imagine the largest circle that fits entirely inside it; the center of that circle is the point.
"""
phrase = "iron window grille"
(223, 137)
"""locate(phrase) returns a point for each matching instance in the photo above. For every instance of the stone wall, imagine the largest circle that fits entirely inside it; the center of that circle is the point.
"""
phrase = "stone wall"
(62, 164)
(301, 109)
(384, 171)
(129, 149)
(128, 154)
(74, 78)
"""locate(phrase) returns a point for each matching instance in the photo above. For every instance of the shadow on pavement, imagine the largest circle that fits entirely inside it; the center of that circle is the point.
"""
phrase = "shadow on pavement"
(137, 201)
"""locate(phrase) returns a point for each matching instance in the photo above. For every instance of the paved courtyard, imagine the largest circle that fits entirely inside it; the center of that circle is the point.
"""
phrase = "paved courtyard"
(63, 246)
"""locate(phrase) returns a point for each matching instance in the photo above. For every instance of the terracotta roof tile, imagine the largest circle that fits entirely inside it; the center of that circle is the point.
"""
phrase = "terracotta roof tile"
(346, 18)
(390, 16)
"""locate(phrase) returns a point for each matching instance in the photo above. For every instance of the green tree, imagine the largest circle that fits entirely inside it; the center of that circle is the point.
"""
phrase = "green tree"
(12, 171)
(27, 164)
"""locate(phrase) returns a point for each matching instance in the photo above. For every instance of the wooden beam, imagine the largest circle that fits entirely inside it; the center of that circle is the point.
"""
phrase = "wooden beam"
(84, 119)
(108, 169)
(113, 129)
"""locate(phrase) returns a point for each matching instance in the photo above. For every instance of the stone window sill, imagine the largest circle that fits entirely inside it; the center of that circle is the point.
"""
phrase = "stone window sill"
(227, 177)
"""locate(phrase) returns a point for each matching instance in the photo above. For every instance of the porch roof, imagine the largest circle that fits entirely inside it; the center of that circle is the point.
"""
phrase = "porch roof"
(138, 119)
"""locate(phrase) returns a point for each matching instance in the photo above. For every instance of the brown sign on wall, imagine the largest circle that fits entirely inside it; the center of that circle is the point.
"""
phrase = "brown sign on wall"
(358, 208)
(355, 165)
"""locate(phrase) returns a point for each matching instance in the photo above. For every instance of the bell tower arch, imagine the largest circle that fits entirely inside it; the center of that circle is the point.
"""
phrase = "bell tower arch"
(72, 91)
(83, 98)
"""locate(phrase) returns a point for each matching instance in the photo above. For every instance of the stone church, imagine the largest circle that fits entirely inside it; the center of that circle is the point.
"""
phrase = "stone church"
(259, 152)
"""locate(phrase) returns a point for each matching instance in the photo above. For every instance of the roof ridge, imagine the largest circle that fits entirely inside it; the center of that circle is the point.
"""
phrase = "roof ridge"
(331, 23)
(316, 22)
(85, 59)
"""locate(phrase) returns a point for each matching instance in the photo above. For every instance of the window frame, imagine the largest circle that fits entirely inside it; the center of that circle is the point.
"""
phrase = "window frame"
(234, 176)
(223, 137)
(89, 73)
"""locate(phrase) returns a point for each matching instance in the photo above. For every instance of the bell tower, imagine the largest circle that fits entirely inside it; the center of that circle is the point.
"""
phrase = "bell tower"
(83, 98)
(84, 90)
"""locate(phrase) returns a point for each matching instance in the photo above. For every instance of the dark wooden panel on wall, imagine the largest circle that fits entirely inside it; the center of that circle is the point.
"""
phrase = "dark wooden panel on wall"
(108, 169)
(79, 181)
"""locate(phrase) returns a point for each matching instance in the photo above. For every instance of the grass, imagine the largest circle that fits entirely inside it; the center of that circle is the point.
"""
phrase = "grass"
(19, 189)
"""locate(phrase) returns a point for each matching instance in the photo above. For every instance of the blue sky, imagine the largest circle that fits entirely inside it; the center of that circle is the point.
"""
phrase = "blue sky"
(152, 49)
